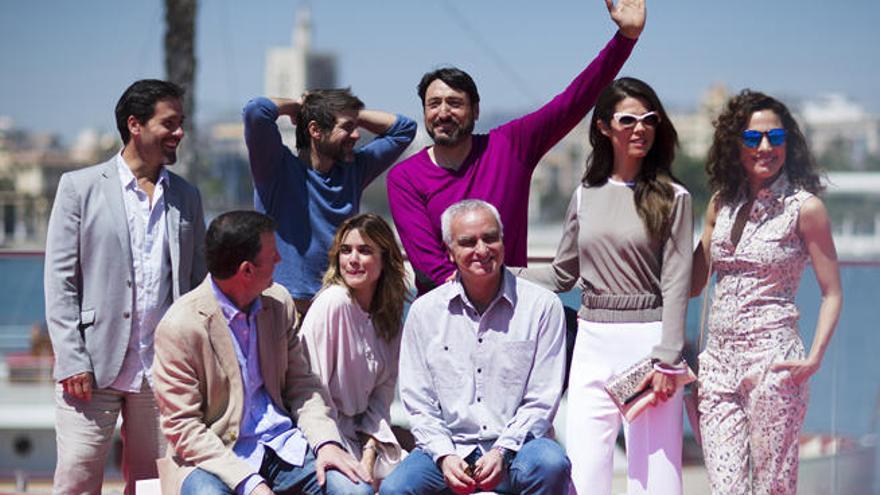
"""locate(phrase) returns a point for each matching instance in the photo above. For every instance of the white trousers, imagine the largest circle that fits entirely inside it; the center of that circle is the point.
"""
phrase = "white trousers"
(84, 435)
(653, 440)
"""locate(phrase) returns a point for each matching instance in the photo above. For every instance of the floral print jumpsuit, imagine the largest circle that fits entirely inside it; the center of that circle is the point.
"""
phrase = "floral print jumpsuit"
(750, 414)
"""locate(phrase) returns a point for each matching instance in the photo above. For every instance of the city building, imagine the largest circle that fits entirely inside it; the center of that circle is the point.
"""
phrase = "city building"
(853, 200)
(695, 129)
(557, 174)
(227, 185)
(834, 123)
(292, 70)
(31, 165)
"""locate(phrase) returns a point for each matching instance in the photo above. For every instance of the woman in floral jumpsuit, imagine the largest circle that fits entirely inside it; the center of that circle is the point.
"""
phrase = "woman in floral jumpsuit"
(762, 225)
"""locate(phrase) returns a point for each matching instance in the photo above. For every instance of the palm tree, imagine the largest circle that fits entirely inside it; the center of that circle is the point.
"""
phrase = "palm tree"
(180, 68)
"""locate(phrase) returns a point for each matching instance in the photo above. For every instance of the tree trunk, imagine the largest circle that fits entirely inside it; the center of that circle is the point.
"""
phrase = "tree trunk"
(180, 68)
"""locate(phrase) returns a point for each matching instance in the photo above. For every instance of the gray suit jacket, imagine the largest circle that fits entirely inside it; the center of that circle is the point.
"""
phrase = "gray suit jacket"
(88, 277)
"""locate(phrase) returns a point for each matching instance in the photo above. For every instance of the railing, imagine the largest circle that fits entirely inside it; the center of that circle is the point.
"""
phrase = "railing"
(844, 408)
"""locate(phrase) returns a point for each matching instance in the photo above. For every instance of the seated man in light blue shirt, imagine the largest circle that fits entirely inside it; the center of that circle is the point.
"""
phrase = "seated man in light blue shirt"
(240, 407)
(481, 368)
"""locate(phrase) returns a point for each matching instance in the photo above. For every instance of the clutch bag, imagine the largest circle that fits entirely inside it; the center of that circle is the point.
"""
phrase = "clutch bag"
(623, 387)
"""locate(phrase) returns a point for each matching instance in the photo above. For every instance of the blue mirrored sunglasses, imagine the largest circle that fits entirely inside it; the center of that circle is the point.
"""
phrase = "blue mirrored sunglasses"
(752, 138)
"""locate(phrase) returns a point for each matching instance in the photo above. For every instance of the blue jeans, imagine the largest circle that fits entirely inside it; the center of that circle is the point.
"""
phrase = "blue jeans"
(540, 467)
(282, 478)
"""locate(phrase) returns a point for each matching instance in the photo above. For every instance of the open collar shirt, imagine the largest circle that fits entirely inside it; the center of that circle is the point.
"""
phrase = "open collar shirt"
(471, 380)
(150, 255)
(263, 424)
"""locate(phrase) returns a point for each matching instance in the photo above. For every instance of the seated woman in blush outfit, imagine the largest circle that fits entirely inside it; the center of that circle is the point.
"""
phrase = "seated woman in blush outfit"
(352, 335)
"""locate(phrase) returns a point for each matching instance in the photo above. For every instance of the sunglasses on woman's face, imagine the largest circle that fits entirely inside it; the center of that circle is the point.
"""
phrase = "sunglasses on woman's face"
(752, 138)
(627, 120)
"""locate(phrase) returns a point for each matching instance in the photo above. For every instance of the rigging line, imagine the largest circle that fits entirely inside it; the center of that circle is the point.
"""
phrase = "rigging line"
(518, 81)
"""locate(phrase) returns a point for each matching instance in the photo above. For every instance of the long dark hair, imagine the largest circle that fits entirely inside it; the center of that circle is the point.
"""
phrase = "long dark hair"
(386, 308)
(727, 177)
(654, 191)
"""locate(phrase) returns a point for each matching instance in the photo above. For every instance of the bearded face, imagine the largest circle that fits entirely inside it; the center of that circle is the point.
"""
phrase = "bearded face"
(449, 114)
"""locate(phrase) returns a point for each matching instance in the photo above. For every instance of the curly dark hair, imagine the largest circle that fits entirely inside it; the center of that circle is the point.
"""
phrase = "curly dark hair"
(654, 192)
(727, 178)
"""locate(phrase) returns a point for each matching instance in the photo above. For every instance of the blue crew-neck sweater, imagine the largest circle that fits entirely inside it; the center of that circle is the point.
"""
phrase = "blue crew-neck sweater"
(308, 206)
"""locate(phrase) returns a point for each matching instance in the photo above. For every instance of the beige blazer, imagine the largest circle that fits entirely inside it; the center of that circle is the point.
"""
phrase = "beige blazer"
(199, 390)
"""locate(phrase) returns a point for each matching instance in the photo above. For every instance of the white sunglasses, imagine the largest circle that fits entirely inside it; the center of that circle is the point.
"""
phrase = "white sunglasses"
(627, 120)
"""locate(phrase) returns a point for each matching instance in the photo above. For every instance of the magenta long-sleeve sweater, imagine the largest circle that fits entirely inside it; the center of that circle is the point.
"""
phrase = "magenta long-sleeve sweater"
(498, 170)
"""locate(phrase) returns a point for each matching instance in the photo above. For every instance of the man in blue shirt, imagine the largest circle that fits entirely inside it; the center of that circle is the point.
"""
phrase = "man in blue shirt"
(239, 405)
(311, 192)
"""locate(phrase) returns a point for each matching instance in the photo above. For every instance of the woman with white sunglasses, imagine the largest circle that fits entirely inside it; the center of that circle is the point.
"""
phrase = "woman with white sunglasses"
(762, 225)
(627, 243)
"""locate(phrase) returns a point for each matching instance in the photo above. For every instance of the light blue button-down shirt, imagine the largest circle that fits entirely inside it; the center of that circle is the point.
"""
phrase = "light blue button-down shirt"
(263, 424)
(472, 381)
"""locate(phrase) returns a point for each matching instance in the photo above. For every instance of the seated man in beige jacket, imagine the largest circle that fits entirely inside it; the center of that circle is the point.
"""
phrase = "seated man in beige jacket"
(239, 406)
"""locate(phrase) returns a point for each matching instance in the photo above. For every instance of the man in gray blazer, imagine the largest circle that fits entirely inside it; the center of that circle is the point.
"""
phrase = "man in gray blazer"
(125, 239)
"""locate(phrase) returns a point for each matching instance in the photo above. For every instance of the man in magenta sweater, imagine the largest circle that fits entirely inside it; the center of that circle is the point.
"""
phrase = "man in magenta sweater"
(495, 167)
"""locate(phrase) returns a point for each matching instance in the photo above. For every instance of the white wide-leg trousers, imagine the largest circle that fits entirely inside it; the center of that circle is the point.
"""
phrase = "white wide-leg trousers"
(653, 440)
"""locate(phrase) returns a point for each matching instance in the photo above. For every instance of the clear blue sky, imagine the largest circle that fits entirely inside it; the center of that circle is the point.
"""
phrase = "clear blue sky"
(64, 63)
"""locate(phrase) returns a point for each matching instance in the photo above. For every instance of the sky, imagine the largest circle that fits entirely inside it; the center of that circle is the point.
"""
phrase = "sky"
(65, 63)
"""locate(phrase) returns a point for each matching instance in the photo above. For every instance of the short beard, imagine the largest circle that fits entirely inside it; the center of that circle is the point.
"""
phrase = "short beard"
(336, 153)
(170, 157)
(459, 135)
